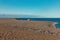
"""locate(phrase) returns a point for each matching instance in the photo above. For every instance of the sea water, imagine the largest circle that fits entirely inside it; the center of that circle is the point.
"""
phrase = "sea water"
(43, 19)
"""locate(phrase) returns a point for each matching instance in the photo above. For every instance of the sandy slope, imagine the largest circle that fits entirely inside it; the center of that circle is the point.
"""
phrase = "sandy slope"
(12, 29)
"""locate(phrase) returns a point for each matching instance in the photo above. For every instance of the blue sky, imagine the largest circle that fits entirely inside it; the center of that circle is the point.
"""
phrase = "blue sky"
(44, 8)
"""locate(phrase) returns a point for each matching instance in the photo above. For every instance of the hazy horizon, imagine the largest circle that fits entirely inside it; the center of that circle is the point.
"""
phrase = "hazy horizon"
(38, 8)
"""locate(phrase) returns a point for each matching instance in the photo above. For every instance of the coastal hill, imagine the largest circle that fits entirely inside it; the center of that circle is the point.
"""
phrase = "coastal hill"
(12, 29)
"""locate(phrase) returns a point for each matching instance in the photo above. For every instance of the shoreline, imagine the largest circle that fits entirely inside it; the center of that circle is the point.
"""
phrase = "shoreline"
(24, 29)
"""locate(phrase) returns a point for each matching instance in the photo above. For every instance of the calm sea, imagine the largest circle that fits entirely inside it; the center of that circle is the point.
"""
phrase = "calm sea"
(43, 19)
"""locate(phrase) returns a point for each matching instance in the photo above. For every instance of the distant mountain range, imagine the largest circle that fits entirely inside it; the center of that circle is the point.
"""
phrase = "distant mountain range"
(20, 16)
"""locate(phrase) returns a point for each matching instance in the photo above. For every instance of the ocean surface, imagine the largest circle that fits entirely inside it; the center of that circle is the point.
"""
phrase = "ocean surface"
(43, 19)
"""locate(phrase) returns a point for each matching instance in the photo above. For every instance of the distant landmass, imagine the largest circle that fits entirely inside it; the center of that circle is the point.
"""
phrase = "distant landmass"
(19, 16)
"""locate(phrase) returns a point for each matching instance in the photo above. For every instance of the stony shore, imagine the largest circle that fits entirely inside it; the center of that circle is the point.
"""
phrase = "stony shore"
(12, 29)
